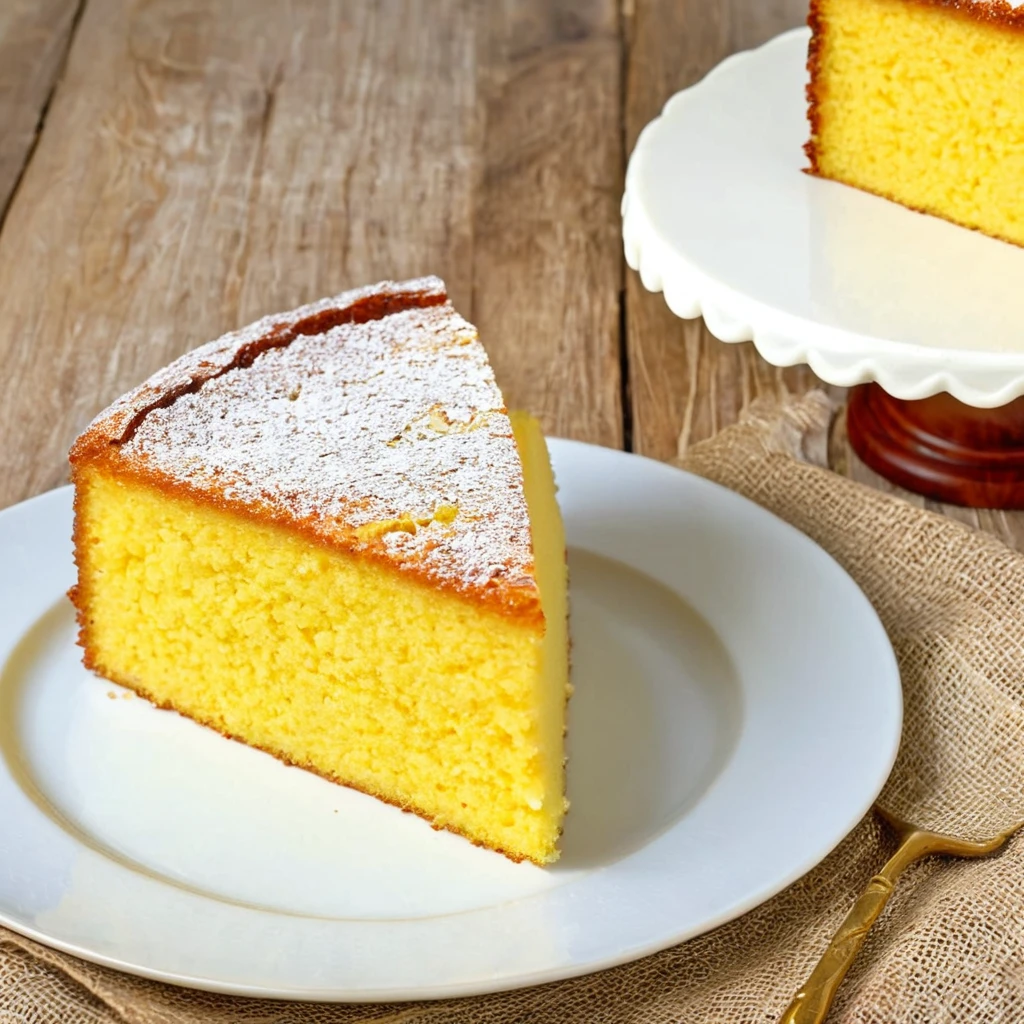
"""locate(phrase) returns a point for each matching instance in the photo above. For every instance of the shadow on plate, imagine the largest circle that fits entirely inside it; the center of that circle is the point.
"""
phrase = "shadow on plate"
(655, 714)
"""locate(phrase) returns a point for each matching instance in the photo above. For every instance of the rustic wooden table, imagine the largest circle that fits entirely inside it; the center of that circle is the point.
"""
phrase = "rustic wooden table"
(175, 168)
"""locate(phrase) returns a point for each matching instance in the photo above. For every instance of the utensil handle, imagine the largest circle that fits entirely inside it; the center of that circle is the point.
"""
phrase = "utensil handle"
(811, 1004)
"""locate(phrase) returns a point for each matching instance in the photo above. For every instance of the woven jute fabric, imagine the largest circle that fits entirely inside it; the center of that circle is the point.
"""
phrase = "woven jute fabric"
(949, 947)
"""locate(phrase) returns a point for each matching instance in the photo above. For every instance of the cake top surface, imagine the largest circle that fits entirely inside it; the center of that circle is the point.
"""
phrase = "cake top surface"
(371, 421)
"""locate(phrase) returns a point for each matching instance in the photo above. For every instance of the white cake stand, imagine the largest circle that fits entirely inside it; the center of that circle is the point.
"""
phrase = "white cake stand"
(718, 216)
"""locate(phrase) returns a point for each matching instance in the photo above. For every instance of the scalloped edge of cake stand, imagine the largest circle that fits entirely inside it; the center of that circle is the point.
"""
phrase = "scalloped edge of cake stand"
(983, 380)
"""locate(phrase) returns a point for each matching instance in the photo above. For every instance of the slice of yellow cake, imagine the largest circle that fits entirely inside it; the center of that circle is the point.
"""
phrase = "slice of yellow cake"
(922, 101)
(323, 536)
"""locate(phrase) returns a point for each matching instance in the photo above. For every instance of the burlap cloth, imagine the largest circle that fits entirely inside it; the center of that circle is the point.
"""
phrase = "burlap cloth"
(949, 948)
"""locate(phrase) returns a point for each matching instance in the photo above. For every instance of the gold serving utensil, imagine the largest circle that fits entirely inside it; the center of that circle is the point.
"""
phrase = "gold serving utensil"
(811, 1004)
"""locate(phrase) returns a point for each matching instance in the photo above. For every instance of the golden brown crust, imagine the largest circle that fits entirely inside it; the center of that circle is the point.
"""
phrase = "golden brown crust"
(989, 12)
(814, 91)
(169, 433)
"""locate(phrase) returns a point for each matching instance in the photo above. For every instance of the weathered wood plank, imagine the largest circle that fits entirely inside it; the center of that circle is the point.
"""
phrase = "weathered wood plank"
(204, 164)
(34, 38)
(548, 265)
(684, 383)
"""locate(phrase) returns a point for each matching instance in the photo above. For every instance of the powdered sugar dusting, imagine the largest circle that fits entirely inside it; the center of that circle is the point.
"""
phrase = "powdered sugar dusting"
(388, 435)
(194, 368)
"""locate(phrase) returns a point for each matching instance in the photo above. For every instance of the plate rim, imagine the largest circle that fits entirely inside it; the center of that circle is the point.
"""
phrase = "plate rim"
(563, 972)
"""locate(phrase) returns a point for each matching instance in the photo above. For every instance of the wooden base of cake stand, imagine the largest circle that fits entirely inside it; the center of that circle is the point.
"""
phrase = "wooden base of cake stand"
(940, 447)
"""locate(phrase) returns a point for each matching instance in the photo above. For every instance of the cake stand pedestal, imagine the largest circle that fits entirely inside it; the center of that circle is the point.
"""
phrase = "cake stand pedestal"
(923, 319)
(940, 447)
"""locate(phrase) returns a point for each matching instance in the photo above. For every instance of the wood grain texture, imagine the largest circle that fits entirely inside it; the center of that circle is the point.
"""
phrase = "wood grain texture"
(684, 384)
(204, 164)
(34, 38)
(548, 265)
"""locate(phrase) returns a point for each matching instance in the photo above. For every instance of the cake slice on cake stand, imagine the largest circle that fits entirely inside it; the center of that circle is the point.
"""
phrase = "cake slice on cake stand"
(924, 317)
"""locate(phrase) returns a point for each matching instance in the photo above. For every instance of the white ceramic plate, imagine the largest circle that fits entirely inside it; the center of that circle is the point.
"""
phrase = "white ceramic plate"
(737, 710)
(718, 215)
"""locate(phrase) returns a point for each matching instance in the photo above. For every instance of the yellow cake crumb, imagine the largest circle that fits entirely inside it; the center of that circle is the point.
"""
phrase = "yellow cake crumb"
(922, 103)
(249, 629)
